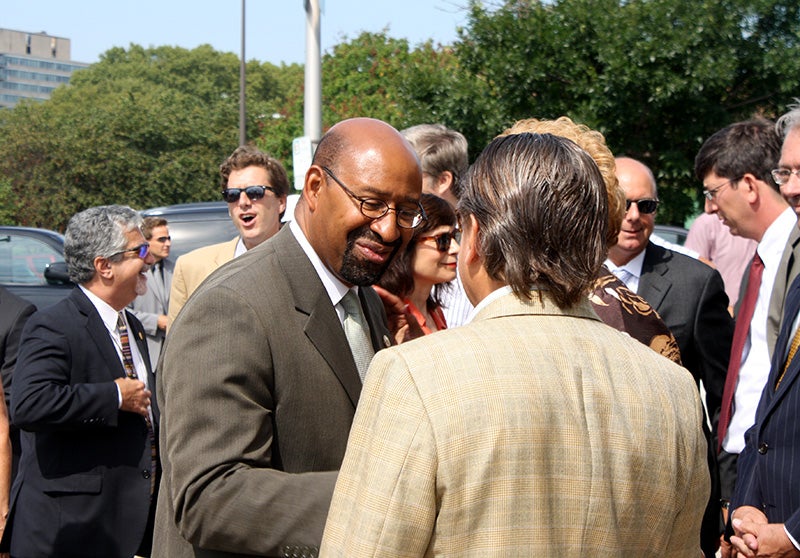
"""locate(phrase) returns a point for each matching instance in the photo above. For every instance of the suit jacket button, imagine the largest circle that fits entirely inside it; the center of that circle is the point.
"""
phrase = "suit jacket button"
(762, 448)
(146, 473)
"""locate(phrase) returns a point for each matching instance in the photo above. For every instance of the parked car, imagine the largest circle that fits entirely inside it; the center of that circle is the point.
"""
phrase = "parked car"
(670, 233)
(192, 225)
(32, 264)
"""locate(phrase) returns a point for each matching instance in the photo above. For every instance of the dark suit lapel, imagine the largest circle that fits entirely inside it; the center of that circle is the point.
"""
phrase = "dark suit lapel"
(773, 396)
(98, 333)
(653, 283)
(322, 326)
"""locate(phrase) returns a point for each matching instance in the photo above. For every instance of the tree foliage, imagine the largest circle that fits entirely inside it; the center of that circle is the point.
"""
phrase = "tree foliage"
(142, 127)
(656, 76)
(149, 126)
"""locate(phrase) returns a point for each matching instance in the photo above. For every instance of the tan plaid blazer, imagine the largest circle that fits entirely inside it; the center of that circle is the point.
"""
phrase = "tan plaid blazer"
(531, 431)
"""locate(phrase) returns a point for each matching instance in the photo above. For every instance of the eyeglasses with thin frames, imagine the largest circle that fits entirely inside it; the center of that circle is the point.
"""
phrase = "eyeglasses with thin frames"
(142, 250)
(444, 240)
(375, 208)
(710, 193)
(782, 176)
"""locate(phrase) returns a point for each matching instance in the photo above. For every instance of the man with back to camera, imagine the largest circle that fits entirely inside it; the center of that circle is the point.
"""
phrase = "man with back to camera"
(151, 308)
(688, 295)
(258, 386)
(255, 187)
(534, 430)
(81, 395)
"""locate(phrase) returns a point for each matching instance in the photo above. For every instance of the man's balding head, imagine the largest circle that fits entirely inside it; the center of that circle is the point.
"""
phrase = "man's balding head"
(359, 158)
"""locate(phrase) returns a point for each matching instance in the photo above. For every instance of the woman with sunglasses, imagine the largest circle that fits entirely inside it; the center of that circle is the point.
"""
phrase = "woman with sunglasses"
(420, 273)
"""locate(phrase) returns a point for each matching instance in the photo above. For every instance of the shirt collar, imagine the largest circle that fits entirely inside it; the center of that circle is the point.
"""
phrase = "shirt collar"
(333, 286)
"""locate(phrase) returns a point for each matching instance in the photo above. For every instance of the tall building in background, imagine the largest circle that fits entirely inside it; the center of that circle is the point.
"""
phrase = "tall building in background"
(32, 65)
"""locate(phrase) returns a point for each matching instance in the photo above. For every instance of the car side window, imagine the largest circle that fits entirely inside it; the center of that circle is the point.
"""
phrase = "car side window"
(23, 259)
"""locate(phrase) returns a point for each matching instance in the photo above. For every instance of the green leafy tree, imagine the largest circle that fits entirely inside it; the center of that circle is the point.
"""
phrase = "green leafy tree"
(656, 76)
(142, 127)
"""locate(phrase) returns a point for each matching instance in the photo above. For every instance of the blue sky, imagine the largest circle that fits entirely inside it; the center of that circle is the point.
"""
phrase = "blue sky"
(275, 29)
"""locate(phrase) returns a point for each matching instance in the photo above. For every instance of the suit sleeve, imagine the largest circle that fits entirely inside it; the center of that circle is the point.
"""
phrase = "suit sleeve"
(219, 455)
(11, 347)
(385, 497)
(713, 331)
(177, 293)
(47, 393)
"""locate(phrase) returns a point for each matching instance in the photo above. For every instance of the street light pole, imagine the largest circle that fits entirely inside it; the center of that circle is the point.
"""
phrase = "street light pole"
(313, 81)
(242, 84)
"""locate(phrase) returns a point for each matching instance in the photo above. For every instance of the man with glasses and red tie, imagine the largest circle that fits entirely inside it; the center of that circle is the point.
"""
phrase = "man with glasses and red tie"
(688, 295)
(255, 186)
(82, 397)
(765, 508)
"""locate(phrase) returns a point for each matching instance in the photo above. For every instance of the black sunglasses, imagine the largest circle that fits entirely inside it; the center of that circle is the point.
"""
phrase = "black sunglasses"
(444, 240)
(231, 195)
(645, 206)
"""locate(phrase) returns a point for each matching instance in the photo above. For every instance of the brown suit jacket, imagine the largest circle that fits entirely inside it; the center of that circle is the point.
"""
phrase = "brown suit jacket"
(259, 389)
(192, 269)
(531, 431)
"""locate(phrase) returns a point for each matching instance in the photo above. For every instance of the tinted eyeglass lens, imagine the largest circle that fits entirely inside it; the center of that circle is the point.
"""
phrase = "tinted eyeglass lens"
(232, 195)
(644, 206)
(144, 249)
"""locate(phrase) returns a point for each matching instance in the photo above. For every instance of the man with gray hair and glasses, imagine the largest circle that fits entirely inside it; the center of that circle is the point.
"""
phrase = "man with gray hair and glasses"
(82, 398)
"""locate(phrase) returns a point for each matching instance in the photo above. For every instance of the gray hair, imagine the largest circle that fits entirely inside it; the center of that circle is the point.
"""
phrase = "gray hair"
(789, 121)
(96, 232)
(440, 149)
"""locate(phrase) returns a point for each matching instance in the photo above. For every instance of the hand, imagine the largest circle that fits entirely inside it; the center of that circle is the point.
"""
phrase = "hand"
(162, 322)
(135, 398)
(402, 323)
(756, 537)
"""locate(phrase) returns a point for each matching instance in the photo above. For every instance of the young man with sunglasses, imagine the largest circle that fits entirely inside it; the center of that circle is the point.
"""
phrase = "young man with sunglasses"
(688, 295)
(82, 397)
(255, 187)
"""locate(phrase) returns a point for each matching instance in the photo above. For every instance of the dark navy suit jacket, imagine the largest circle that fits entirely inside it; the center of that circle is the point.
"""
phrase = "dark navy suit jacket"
(769, 465)
(83, 487)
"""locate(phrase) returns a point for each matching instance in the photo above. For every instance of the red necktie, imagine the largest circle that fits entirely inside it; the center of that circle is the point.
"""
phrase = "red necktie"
(743, 319)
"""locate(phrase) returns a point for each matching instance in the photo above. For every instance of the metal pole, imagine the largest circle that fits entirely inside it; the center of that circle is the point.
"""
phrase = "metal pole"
(313, 74)
(242, 84)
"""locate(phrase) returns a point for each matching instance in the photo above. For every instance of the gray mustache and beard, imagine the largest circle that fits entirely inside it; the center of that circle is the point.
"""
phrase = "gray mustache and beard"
(364, 273)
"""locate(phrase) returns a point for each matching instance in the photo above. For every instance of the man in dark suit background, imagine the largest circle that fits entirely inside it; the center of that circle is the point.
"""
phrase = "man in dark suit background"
(258, 387)
(80, 396)
(688, 295)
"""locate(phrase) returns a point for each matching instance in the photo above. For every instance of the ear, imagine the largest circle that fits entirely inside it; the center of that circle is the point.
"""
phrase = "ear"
(443, 183)
(469, 248)
(312, 186)
(282, 204)
(102, 267)
(749, 186)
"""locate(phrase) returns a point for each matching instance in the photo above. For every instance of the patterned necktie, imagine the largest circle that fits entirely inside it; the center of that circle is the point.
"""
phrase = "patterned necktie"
(130, 371)
(743, 319)
(792, 350)
(357, 332)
